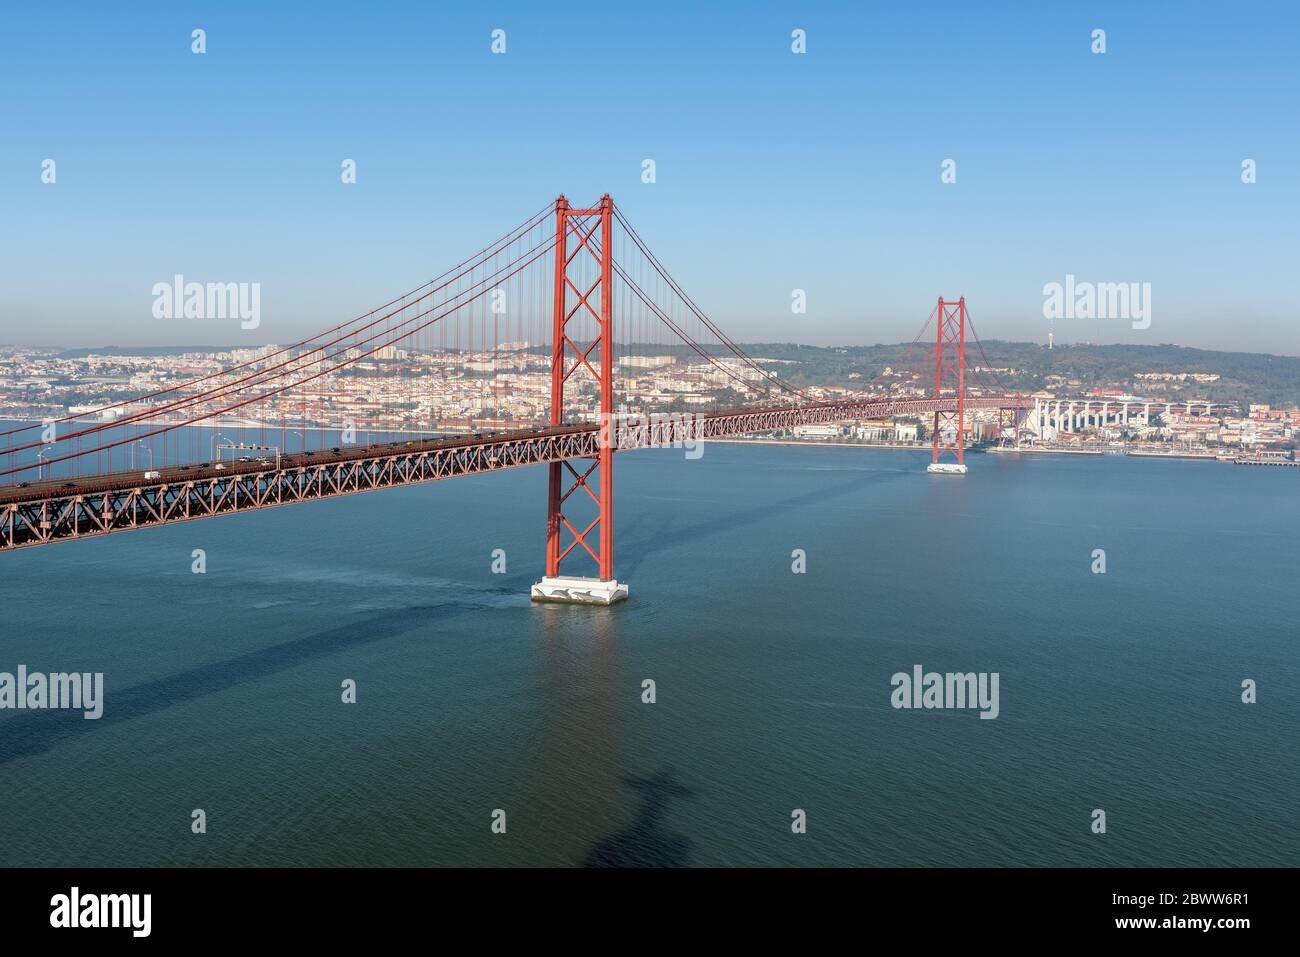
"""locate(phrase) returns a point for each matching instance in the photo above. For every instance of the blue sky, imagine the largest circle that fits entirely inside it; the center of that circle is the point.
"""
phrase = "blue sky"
(775, 171)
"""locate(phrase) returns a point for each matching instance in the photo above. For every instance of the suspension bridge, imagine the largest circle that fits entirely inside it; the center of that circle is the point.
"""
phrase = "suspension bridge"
(546, 347)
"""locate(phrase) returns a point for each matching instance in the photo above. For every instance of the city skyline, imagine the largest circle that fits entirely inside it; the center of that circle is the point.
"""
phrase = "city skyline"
(774, 171)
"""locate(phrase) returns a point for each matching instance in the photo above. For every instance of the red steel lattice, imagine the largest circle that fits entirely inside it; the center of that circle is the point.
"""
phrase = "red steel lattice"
(573, 299)
(950, 373)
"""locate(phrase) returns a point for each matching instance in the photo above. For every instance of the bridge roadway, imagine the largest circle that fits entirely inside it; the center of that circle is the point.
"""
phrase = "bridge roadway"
(40, 513)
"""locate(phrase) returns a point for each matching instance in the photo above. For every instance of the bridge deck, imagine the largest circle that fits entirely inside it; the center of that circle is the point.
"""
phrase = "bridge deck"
(65, 509)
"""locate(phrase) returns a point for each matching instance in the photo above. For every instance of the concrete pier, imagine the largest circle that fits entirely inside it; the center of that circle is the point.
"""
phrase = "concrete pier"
(579, 591)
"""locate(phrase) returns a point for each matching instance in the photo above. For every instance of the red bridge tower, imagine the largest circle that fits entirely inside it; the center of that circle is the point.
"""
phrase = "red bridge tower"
(583, 311)
(950, 374)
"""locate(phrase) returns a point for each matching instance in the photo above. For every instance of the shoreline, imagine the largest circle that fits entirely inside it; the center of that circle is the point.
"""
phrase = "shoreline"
(814, 444)
(803, 443)
(228, 424)
(1028, 450)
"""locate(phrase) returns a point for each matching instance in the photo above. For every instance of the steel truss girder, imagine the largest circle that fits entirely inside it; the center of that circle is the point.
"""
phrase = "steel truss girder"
(117, 503)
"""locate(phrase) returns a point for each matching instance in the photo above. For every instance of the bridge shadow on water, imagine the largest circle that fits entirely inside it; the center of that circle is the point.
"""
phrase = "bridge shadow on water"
(646, 537)
(644, 842)
(29, 733)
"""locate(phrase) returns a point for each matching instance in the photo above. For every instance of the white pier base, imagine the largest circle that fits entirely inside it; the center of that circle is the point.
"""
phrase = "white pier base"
(580, 591)
(946, 468)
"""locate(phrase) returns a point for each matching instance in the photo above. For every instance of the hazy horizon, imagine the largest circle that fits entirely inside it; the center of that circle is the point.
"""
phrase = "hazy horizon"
(217, 347)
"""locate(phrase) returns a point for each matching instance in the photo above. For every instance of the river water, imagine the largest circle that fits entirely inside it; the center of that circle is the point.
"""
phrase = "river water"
(1119, 691)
